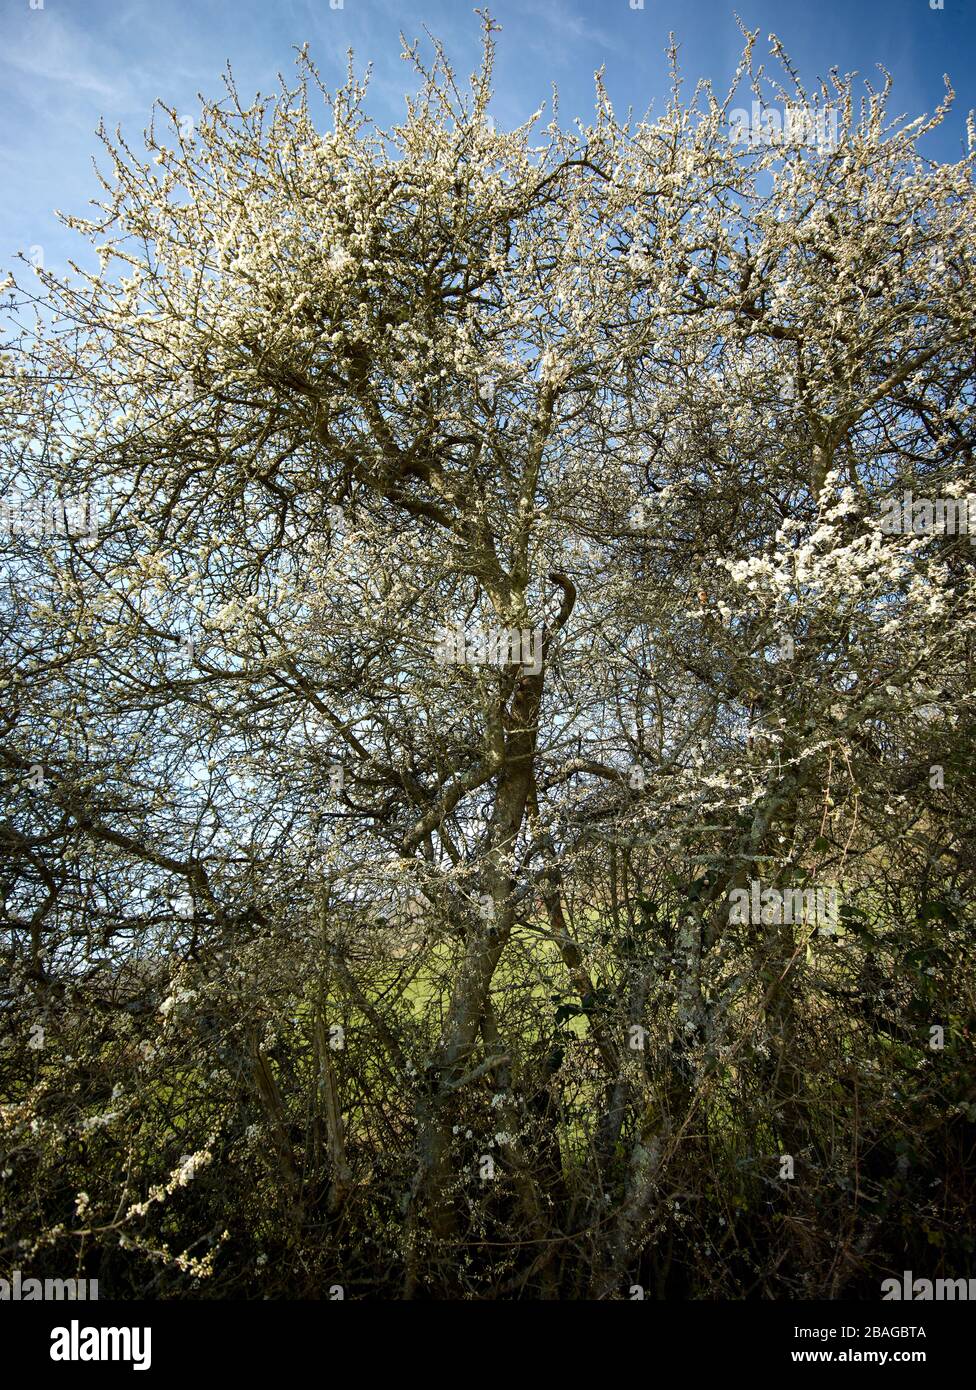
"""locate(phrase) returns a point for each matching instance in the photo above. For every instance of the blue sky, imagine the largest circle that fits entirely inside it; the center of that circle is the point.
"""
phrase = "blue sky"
(66, 64)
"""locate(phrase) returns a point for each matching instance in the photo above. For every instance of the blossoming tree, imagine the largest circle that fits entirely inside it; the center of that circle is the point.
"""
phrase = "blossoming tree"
(419, 973)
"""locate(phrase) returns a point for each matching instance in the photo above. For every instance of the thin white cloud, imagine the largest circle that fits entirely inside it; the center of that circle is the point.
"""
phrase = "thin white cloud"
(48, 50)
(572, 26)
